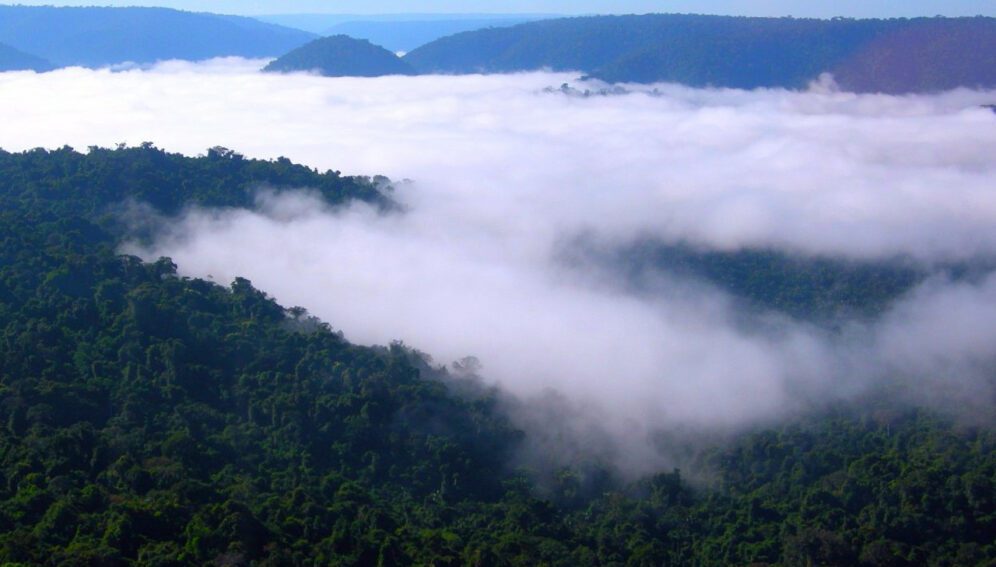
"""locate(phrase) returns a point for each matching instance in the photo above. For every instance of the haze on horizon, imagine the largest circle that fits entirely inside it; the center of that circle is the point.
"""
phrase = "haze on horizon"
(770, 8)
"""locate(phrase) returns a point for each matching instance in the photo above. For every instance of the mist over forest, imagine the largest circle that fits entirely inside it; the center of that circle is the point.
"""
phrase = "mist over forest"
(514, 197)
(637, 279)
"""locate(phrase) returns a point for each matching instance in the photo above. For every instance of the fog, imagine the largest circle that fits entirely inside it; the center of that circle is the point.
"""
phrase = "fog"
(504, 173)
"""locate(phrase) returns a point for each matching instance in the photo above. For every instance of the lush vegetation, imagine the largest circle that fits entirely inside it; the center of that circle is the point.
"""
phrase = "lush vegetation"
(823, 289)
(95, 37)
(147, 418)
(342, 56)
(868, 55)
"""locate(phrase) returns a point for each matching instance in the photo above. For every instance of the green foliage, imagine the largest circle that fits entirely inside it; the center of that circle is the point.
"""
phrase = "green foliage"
(148, 418)
(875, 489)
(820, 289)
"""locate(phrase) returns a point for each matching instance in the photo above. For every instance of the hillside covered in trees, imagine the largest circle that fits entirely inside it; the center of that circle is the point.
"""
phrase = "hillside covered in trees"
(148, 418)
(893, 56)
(341, 56)
(95, 37)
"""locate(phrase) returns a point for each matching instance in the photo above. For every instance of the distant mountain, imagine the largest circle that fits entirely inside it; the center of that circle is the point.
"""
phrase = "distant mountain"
(324, 24)
(866, 55)
(15, 60)
(96, 37)
(340, 56)
(407, 35)
(312, 23)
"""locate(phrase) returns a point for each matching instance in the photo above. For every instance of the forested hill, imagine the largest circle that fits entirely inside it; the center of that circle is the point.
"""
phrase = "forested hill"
(899, 55)
(15, 60)
(148, 418)
(96, 37)
(342, 56)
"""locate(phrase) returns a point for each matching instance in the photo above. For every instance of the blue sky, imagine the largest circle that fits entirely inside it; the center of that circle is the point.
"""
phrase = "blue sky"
(798, 8)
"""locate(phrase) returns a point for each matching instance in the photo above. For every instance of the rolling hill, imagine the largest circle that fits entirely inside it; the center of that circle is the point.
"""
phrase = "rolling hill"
(95, 37)
(342, 56)
(894, 56)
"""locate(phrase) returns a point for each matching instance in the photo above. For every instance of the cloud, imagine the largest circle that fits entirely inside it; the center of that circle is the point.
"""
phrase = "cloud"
(827, 173)
(505, 173)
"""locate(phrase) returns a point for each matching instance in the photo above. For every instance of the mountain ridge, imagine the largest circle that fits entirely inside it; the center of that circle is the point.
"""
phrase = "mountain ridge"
(735, 52)
(101, 36)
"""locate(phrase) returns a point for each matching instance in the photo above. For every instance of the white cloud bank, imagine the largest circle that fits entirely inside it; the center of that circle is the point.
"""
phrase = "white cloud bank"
(505, 173)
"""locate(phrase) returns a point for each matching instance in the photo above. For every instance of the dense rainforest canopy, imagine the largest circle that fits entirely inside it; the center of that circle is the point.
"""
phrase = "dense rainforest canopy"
(148, 418)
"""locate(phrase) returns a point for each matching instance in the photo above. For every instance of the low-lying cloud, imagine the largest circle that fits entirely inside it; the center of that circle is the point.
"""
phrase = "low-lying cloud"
(505, 174)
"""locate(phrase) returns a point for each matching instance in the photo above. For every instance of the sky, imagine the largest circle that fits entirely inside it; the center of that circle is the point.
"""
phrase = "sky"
(518, 195)
(797, 8)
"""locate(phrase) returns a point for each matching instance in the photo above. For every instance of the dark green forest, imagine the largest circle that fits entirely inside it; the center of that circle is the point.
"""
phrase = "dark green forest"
(893, 56)
(149, 418)
(823, 290)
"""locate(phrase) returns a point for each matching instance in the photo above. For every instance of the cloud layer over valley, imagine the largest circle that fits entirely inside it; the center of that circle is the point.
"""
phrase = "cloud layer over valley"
(508, 178)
